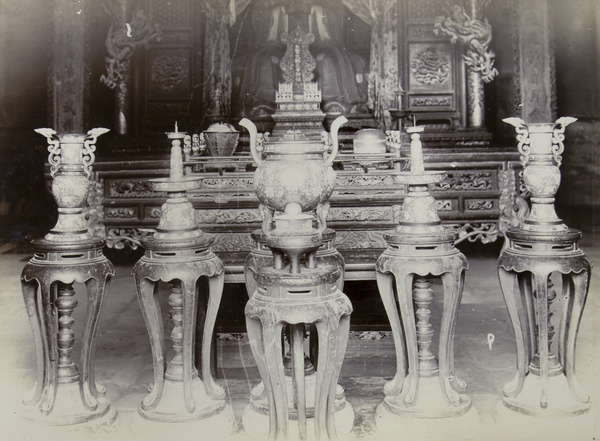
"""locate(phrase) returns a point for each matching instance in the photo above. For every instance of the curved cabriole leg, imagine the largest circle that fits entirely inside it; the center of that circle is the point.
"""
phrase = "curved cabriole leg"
(452, 283)
(385, 283)
(148, 297)
(49, 294)
(254, 329)
(541, 288)
(457, 383)
(297, 352)
(32, 306)
(274, 359)
(188, 289)
(215, 293)
(409, 389)
(96, 289)
(528, 321)
(313, 340)
(566, 311)
(518, 319)
(327, 337)
(339, 351)
(580, 290)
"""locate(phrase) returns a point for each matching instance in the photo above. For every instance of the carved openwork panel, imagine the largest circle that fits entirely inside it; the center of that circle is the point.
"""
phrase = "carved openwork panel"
(130, 188)
(121, 212)
(169, 69)
(171, 13)
(472, 180)
(482, 195)
(430, 67)
(424, 9)
(433, 77)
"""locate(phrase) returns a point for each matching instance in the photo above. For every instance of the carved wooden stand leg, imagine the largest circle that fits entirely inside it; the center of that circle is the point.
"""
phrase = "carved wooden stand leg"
(422, 387)
(543, 375)
(262, 256)
(66, 397)
(425, 395)
(179, 396)
(305, 399)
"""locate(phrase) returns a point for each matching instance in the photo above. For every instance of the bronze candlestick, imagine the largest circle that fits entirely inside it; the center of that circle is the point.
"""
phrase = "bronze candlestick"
(425, 390)
(180, 253)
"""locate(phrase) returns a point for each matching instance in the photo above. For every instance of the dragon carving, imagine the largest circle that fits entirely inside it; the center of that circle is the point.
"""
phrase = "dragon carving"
(475, 34)
(121, 41)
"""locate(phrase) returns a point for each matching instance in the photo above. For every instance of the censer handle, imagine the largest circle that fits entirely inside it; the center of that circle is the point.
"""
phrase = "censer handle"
(251, 127)
(335, 125)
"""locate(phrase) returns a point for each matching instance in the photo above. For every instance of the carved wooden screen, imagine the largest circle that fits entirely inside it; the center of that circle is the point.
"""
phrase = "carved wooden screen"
(433, 72)
(170, 70)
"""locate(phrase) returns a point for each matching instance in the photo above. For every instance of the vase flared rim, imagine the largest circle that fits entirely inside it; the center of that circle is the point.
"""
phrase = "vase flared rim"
(541, 127)
(71, 137)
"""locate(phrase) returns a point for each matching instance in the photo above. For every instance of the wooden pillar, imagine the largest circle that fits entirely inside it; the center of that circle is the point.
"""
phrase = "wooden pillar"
(66, 82)
(536, 94)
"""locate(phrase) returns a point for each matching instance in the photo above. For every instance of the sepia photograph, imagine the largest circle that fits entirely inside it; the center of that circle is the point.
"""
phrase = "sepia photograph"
(269, 220)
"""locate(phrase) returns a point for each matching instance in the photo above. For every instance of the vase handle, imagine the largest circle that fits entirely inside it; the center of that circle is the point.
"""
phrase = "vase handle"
(335, 125)
(251, 127)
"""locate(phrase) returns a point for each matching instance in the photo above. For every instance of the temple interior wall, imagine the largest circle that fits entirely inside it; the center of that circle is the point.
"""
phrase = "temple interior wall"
(25, 50)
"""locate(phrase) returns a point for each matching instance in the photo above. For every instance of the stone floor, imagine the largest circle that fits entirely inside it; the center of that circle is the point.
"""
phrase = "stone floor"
(123, 357)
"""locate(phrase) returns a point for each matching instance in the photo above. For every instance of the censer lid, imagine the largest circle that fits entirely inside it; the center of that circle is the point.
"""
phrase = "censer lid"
(221, 127)
(294, 142)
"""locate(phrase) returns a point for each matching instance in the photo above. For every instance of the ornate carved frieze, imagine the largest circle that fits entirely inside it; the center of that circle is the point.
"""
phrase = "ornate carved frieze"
(472, 181)
(352, 240)
(132, 188)
(365, 180)
(445, 205)
(121, 212)
(336, 214)
(152, 212)
(228, 183)
(224, 217)
(431, 101)
(361, 214)
(479, 204)
(485, 232)
(232, 242)
(119, 238)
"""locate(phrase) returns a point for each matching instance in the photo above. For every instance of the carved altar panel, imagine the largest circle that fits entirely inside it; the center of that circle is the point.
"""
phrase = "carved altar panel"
(432, 70)
(431, 82)
(481, 196)
(169, 70)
